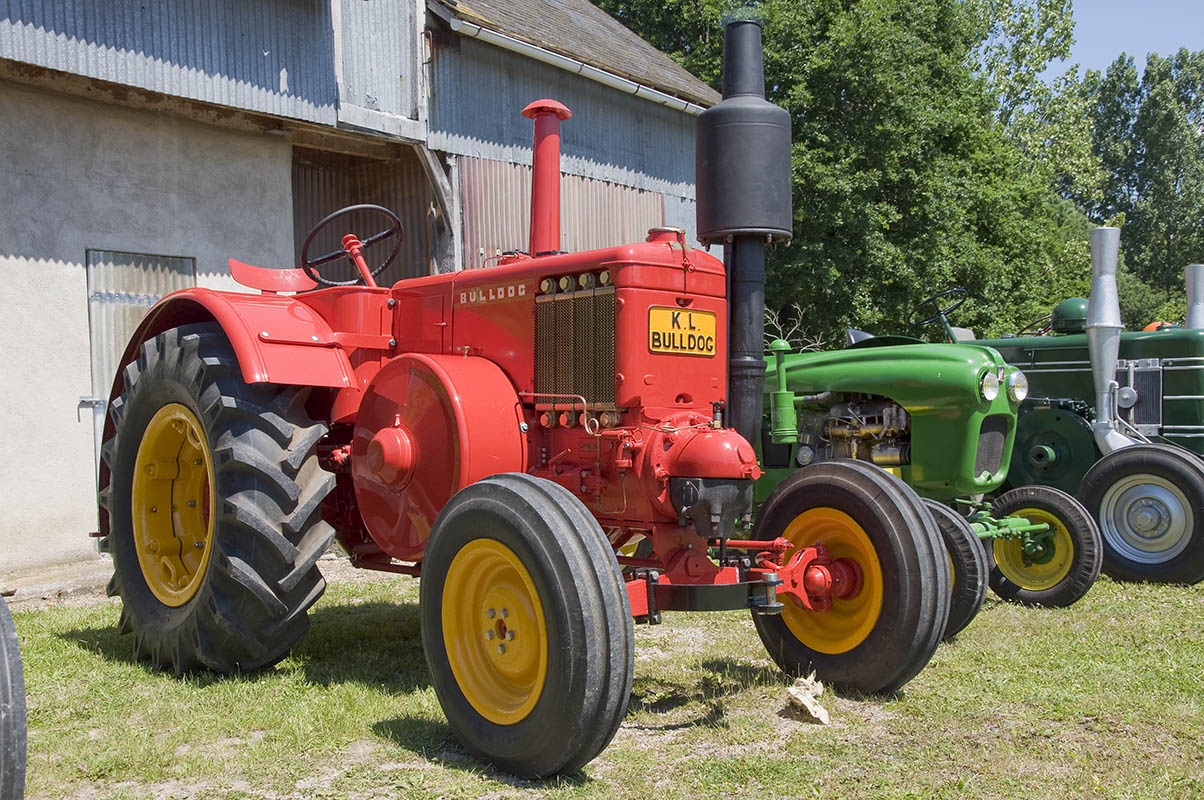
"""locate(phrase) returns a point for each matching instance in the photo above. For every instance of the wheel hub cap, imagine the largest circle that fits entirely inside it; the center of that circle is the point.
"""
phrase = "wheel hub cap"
(172, 504)
(1047, 565)
(1146, 519)
(850, 619)
(494, 631)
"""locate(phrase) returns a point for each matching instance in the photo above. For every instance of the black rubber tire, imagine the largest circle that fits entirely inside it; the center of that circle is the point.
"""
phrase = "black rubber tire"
(12, 711)
(1084, 537)
(969, 563)
(268, 533)
(586, 611)
(915, 575)
(1182, 561)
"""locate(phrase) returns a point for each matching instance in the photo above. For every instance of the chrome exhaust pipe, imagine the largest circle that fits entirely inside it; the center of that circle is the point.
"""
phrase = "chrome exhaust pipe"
(1193, 277)
(1103, 338)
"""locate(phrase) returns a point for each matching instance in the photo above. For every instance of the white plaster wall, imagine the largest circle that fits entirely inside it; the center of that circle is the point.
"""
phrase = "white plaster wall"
(74, 175)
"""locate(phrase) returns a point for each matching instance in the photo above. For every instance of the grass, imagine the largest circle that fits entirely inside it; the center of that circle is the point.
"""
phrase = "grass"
(1105, 699)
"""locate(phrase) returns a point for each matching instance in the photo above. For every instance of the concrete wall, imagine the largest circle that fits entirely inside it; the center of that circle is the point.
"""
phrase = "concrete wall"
(77, 175)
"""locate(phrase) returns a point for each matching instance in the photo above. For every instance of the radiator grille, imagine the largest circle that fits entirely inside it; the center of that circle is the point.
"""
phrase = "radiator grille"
(991, 437)
(1147, 381)
(575, 346)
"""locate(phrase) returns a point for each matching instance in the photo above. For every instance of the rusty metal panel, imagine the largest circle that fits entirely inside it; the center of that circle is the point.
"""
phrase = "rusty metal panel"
(272, 56)
(378, 42)
(593, 213)
(325, 182)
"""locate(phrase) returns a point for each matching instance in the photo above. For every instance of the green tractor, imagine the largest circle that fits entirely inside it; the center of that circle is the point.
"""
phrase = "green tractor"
(1117, 418)
(942, 418)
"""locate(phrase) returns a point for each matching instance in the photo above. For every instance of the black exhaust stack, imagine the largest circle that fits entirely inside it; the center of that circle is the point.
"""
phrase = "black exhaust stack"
(742, 166)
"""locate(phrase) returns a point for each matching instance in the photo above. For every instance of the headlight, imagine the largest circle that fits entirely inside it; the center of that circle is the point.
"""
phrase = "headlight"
(989, 386)
(1017, 386)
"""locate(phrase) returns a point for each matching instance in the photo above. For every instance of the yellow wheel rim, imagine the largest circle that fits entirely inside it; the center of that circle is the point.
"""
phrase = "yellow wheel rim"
(494, 631)
(1009, 554)
(172, 504)
(850, 621)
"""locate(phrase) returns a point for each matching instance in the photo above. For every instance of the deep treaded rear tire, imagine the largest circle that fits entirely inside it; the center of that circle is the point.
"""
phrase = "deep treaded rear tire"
(267, 532)
(588, 632)
(1074, 530)
(12, 711)
(914, 576)
(969, 564)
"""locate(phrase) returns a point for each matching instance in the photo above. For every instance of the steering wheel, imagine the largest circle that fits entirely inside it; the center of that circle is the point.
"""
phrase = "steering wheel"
(394, 229)
(1038, 327)
(957, 291)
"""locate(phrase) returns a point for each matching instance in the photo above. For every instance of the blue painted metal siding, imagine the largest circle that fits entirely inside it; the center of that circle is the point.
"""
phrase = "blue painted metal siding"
(378, 43)
(478, 91)
(272, 56)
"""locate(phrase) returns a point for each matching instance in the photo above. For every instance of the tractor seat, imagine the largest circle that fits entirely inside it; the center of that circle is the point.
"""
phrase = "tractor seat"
(853, 336)
(271, 281)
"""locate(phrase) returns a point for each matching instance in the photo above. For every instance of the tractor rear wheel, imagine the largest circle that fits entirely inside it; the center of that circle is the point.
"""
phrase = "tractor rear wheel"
(883, 636)
(526, 625)
(214, 503)
(1149, 502)
(967, 565)
(12, 711)
(1062, 571)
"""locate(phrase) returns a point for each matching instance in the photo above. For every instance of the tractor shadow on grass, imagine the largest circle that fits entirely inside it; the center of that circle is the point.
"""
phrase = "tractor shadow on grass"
(697, 702)
(434, 742)
(375, 644)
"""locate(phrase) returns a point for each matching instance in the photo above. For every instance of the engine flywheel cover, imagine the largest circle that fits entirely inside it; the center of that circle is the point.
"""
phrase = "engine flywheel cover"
(428, 426)
(1054, 447)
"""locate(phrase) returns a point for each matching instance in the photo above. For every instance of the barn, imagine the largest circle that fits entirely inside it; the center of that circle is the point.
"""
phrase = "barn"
(143, 143)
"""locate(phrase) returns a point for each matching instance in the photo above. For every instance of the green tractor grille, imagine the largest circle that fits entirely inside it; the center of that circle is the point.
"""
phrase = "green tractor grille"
(575, 347)
(991, 438)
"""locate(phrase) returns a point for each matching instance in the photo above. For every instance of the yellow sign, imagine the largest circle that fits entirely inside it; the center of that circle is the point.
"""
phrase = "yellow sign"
(680, 330)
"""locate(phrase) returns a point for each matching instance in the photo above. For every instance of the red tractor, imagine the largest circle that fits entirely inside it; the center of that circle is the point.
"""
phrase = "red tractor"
(503, 433)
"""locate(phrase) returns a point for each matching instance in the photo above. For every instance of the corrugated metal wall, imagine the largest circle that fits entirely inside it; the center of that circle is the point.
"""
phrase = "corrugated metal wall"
(274, 56)
(378, 40)
(121, 287)
(593, 213)
(324, 183)
(478, 92)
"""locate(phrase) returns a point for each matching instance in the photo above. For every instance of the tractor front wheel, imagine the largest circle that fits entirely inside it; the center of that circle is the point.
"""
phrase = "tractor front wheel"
(878, 639)
(967, 566)
(214, 503)
(1149, 502)
(1067, 563)
(526, 625)
(12, 711)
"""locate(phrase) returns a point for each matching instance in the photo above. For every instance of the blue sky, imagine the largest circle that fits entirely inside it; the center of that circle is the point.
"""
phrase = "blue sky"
(1105, 28)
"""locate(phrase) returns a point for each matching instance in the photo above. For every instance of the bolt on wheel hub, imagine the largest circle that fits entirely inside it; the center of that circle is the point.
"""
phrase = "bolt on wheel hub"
(171, 504)
(494, 631)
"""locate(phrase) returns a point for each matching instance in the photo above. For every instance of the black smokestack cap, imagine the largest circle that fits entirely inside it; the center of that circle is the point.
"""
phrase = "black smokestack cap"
(742, 149)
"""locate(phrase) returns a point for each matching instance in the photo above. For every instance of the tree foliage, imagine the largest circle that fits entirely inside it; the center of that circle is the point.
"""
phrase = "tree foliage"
(906, 179)
(1149, 136)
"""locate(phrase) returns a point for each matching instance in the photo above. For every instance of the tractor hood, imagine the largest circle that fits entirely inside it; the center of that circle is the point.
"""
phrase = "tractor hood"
(922, 378)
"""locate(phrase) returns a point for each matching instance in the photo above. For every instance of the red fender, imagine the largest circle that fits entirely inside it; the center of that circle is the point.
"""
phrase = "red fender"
(276, 339)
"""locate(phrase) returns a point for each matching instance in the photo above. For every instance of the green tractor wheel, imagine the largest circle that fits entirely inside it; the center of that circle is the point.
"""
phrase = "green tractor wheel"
(967, 567)
(881, 637)
(1149, 500)
(214, 504)
(1066, 563)
(526, 625)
